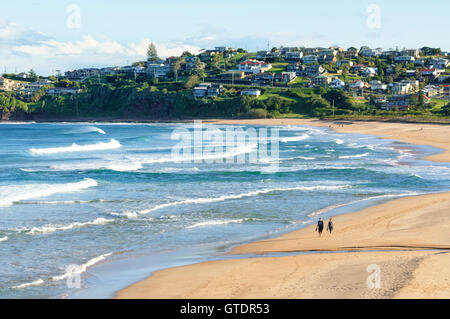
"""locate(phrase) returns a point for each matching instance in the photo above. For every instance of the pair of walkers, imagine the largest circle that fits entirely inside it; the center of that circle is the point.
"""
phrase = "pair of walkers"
(320, 226)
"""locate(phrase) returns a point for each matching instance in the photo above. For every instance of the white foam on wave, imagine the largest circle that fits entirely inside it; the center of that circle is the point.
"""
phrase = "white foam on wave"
(328, 208)
(71, 271)
(354, 156)
(28, 284)
(55, 228)
(100, 146)
(215, 223)
(206, 200)
(136, 163)
(339, 141)
(4, 239)
(297, 138)
(81, 269)
(16, 193)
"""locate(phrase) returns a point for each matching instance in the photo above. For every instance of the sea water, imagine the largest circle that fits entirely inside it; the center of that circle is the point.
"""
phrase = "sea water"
(111, 200)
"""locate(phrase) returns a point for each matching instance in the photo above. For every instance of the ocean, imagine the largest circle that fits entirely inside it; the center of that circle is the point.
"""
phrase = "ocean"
(87, 209)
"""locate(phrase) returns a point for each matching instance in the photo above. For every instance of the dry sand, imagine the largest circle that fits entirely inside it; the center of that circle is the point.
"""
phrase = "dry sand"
(407, 238)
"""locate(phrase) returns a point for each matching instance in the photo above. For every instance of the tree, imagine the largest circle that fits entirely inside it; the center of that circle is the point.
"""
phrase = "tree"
(191, 82)
(152, 53)
(176, 67)
(32, 75)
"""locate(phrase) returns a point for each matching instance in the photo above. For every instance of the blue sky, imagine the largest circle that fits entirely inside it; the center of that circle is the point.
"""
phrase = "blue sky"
(35, 33)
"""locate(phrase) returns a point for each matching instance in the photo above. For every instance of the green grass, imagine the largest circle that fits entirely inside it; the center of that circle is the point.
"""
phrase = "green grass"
(278, 67)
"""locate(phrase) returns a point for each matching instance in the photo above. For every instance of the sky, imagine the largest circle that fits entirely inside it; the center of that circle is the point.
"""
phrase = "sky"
(50, 35)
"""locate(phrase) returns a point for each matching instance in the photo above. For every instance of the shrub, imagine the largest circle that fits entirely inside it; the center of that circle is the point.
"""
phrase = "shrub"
(256, 114)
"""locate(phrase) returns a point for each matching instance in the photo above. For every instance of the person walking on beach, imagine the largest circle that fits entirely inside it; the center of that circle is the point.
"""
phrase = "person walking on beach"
(330, 226)
(319, 227)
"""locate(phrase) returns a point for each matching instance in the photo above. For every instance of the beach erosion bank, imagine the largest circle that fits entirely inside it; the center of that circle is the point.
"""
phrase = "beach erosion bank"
(406, 240)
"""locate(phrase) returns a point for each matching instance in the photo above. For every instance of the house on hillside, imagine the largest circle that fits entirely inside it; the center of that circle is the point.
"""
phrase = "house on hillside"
(294, 55)
(313, 71)
(377, 86)
(310, 59)
(337, 84)
(254, 66)
(62, 91)
(321, 80)
(404, 59)
(251, 92)
(351, 53)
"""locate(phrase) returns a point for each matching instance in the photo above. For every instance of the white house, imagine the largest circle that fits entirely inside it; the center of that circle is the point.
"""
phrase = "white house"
(337, 84)
(358, 84)
(251, 92)
(377, 86)
(404, 59)
(254, 66)
(344, 62)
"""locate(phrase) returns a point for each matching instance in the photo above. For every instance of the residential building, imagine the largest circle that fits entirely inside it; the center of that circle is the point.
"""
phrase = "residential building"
(429, 72)
(314, 70)
(310, 51)
(254, 66)
(411, 52)
(404, 59)
(367, 52)
(401, 88)
(439, 63)
(294, 55)
(369, 72)
(399, 102)
(321, 80)
(109, 70)
(214, 90)
(414, 84)
(310, 59)
(358, 84)
(344, 62)
(157, 70)
(351, 52)
(377, 86)
(264, 77)
(288, 76)
(337, 84)
(62, 91)
(82, 74)
(432, 91)
(446, 91)
(251, 92)
(389, 54)
(6, 84)
(358, 68)
(200, 91)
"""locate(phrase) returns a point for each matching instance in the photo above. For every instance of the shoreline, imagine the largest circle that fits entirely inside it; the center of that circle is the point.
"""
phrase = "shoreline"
(411, 272)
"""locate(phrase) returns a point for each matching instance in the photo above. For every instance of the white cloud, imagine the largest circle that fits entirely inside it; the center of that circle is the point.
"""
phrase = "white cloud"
(22, 49)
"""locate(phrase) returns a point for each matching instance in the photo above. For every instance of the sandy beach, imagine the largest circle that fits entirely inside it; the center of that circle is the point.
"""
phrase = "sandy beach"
(406, 239)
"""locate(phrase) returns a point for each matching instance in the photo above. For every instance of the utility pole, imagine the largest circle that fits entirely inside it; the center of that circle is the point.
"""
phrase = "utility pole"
(333, 107)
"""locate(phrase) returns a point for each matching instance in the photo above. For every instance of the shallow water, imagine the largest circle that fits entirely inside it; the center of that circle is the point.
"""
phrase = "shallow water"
(112, 199)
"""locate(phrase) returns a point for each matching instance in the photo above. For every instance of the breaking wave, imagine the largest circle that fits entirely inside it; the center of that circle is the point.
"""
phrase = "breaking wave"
(11, 194)
(100, 146)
